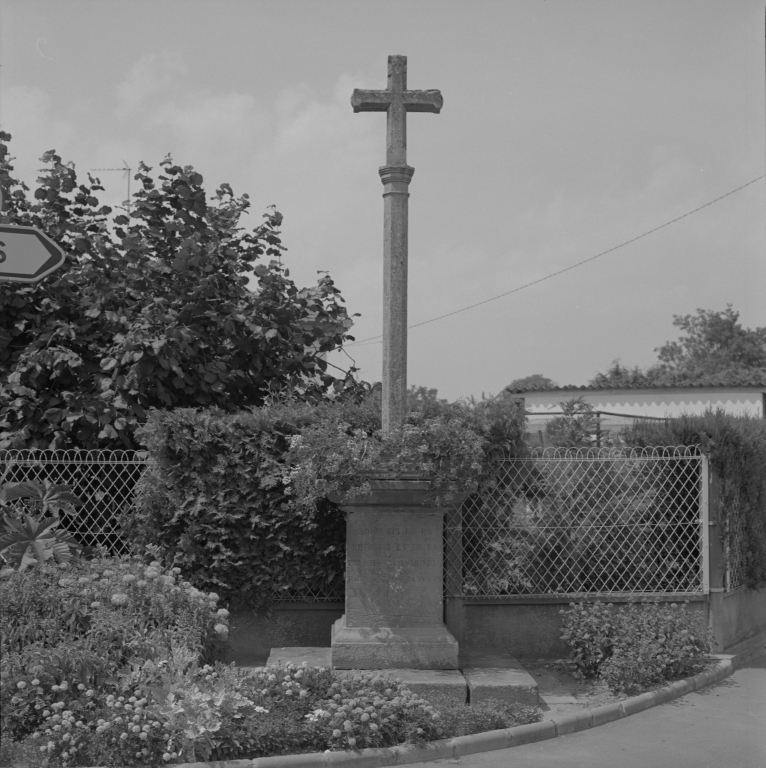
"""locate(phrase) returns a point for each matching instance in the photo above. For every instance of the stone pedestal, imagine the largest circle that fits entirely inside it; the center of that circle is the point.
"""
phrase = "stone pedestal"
(394, 566)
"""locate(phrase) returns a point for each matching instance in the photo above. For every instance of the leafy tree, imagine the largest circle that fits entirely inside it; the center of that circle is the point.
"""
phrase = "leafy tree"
(535, 381)
(153, 310)
(715, 349)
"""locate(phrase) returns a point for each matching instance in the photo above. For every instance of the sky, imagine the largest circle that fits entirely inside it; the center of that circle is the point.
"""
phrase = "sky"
(568, 128)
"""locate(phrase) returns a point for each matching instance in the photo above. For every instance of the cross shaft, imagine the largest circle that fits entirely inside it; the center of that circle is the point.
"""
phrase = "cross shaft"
(396, 101)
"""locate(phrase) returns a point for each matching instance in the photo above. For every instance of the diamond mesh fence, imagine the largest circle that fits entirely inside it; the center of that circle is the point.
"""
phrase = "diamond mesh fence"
(104, 480)
(561, 522)
(581, 522)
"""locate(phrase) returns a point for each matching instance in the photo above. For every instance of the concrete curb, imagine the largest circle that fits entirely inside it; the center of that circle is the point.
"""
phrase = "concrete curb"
(510, 737)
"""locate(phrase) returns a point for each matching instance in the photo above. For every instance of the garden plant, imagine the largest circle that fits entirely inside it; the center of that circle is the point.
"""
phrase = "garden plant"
(635, 647)
(110, 661)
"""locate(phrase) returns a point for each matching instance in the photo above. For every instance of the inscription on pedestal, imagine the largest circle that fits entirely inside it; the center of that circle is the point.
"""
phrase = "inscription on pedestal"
(394, 570)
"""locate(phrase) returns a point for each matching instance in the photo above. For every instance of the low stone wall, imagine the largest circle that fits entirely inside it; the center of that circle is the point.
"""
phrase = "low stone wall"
(742, 614)
(522, 628)
(254, 634)
(530, 628)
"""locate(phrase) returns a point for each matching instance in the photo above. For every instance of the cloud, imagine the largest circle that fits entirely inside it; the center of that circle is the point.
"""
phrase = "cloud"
(150, 76)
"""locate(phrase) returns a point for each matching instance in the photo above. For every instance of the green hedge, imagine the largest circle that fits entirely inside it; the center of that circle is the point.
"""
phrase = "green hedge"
(212, 499)
(736, 446)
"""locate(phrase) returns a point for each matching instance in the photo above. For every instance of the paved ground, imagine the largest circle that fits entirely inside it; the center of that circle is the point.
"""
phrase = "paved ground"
(723, 726)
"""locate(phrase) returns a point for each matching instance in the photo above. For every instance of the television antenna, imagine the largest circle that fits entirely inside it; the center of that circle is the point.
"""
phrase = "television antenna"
(126, 169)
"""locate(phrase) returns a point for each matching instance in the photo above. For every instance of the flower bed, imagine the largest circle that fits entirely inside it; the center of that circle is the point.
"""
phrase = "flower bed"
(112, 662)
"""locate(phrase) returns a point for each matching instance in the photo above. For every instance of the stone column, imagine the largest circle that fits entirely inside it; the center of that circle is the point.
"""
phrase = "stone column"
(396, 179)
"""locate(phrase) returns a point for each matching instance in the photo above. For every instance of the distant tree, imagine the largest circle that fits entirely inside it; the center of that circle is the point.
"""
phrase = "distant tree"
(153, 310)
(535, 381)
(420, 395)
(620, 376)
(576, 428)
(715, 348)
(714, 343)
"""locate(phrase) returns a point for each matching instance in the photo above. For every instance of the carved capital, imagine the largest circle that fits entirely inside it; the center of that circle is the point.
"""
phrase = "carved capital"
(392, 174)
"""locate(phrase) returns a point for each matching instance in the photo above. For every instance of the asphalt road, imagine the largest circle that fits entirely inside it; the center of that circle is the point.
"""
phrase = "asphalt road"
(723, 726)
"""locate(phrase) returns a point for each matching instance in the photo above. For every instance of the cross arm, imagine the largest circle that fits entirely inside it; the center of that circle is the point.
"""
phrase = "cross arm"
(423, 101)
(370, 101)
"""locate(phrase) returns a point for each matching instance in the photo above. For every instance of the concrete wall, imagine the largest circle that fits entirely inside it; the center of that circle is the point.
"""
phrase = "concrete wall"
(524, 629)
(253, 635)
(530, 629)
(742, 614)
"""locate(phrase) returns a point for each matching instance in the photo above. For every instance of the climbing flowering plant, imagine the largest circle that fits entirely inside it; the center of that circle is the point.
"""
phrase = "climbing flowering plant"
(333, 456)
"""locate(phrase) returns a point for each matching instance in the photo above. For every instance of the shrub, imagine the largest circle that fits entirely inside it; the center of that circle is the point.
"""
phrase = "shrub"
(635, 647)
(654, 644)
(588, 630)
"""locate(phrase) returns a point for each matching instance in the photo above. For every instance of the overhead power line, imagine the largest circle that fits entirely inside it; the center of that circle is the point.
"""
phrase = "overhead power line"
(375, 339)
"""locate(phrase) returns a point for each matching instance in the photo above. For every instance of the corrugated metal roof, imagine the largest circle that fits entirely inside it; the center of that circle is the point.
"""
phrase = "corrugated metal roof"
(724, 381)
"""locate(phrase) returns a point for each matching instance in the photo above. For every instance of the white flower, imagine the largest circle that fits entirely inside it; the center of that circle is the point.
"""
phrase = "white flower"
(221, 629)
(35, 682)
(222, 612)
(119, 598)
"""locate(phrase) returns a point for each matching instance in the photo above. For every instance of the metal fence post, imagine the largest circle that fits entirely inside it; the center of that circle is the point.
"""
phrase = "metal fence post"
(453, 571)
(717, 567)
(705, 522)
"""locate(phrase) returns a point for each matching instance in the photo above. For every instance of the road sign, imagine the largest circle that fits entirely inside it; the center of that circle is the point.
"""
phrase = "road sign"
(27, 255)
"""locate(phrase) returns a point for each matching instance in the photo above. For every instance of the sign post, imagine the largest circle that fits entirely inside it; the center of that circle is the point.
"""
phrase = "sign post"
(27, 254)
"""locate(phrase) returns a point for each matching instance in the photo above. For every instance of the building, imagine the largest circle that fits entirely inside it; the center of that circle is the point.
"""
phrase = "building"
(618, 406)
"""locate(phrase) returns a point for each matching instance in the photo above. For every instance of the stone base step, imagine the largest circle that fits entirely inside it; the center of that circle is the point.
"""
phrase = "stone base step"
(480, 677)
(497, 676)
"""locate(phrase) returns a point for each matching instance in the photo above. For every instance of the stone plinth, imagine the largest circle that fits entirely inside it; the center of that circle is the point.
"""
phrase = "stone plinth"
(394, 562)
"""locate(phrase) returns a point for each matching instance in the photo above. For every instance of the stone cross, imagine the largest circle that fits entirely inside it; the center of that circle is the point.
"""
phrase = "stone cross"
(396, 101)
